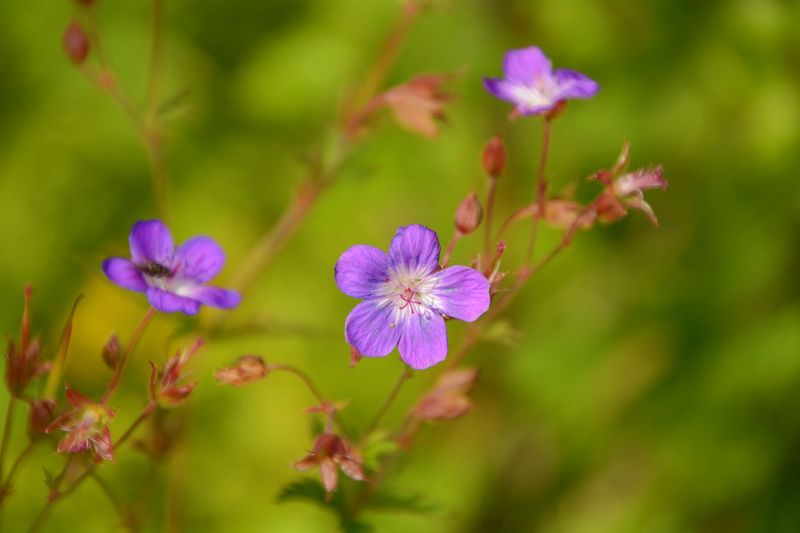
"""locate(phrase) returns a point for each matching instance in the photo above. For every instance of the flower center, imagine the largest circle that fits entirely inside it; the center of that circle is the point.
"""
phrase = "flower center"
(154, 270)
(409, 292)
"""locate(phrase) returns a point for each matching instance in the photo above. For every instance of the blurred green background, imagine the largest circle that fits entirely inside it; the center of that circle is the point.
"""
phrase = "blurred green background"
(653, 385)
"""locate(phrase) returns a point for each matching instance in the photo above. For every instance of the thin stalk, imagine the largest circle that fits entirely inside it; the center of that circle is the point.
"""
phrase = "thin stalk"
(119, 507)
(389, 400)
(451, 246)
(7, 432)
(490, 195)
(273, 241)
(540, 188)
(387, 56)
(137, 334)
(9, 480)
(144, 125)
(312, 387)
(155, 53)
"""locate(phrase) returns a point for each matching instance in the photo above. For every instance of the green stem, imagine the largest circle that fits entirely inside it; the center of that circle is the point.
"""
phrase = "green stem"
(306, 379)
(389, 400)
(137, 334)
(6, 432)
(540, 188)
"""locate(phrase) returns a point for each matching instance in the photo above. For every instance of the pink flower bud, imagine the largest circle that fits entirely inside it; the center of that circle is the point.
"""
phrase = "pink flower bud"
(76, 43)
(111, 352)
(246, 369)
(494, 157)
(469, 214)
(42, 415)
(449, 398)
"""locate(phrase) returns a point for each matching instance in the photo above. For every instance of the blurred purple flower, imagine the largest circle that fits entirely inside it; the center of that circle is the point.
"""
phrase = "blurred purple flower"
(172, 278)
(407, 297)
(533, 86)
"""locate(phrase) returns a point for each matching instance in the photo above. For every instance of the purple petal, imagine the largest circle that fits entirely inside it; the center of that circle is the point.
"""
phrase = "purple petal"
(168, 302)
(199, 259)
(424, 340)
(526, 65)
(215, 297)
(415, 249)
(499, 88)
(151, 242)
(124, 273)
(573, 84)
(461, 292)
(371, 329)
(516, 94)
(360, 270)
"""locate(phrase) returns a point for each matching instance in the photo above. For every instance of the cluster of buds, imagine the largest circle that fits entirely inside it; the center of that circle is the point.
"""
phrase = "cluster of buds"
(165, 385)
(23, 362)
(86, 425)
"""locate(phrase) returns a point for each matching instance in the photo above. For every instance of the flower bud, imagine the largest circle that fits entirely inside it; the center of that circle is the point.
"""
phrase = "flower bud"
(111, 352)
(494, 157)
(469, 214)
(76, 43)
(42, 415)
(246, 369)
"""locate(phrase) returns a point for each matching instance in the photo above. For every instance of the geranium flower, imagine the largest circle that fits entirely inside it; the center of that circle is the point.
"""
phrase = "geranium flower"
(86, 425)
(407, 297)
(172, 278)
(533, 86)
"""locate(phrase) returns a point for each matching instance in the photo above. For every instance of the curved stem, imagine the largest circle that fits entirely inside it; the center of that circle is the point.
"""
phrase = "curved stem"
(540, 188)
(407, 373)
(8, 482)
(312, 387)
(451, 246)
(490, 195)
(119, 507)
(137, 334)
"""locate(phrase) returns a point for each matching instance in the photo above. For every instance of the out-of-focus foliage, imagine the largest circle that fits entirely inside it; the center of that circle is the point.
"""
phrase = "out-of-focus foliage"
(654, 381)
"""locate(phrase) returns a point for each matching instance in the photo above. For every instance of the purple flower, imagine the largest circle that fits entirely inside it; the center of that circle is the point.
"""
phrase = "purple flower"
(172, 278)
(533, 86)
(407, 297)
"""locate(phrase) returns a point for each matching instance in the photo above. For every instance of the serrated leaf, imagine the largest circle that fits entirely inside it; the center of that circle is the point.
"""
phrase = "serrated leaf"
(311, 490)
(378, 446)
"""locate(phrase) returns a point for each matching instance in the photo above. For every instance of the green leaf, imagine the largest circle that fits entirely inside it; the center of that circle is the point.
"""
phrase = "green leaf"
(311, 490)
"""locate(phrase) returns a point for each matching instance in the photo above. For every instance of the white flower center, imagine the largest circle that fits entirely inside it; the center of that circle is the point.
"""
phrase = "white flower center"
(409, 293)
(539, 94)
